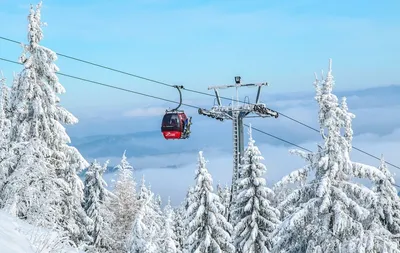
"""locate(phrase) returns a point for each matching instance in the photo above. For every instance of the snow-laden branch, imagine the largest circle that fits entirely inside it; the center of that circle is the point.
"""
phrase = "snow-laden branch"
(296, 176)
(366, 171)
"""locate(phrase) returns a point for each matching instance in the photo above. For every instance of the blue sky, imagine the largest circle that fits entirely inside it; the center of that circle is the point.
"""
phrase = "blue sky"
(203, 43)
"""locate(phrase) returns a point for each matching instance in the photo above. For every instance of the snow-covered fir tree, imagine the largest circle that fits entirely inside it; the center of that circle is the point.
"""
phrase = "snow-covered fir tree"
(189, 198)
(208, 230)
(280, 195)
(257, 218)
(159, 216)
(96, 199)
(144, 231)
(141, 236)
(155, 214)
(386, 209)
(224, 194)
(179, 226)
(329, 211)
(43, 186)
(158, 200)
(169, 243)
(5, 127)
(124, 205)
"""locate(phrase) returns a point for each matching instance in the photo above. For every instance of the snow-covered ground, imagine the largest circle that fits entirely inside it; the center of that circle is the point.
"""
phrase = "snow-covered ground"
(17, 236)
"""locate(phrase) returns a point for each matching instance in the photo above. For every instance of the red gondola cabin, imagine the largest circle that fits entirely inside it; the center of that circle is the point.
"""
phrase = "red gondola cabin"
(175, 125)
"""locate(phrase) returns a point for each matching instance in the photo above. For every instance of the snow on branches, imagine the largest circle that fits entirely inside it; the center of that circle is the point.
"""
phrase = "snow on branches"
(125, 204)
(328, 212)
(42, 167)
(208, 229)
(96, 198)
(256, 217)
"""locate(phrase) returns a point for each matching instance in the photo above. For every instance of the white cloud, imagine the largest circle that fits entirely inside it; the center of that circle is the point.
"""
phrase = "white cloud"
(145, 112)
(290, 103)
(152, 111)
(175, 182)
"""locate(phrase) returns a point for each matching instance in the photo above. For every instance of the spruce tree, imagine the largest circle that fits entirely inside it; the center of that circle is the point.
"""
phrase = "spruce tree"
(328, 212)
(179, 226)
(141, 233)
(5, 127)
(208, 230)
(158, 219)
(169, 242)
(189, 199)
(144, 231)
(385, 214)
(125, 204)
(257, 218)
(96, 199)
(224, 194)
(43, 185)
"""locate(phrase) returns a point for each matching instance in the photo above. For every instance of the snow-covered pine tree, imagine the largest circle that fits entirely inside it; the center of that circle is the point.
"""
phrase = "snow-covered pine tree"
(179, 226)
(158, 200)
(189, 199)
(224, 194)
(220, 194)
(328, 212)
(154, 216)
(169, 241)
(125, 204)
(220, 191)
(386, 209)
(208, 229)
(143, 237)
(5, 127)
(159, 211)
(281, 194)
(96, 198)
(257, 218)
(5, 102)
(43, 184)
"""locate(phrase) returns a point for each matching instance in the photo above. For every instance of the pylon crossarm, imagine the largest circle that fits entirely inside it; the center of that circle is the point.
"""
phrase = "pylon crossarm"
(216, 115)
(220, 109)
(227, 109)
(263, 111)
(248, 107)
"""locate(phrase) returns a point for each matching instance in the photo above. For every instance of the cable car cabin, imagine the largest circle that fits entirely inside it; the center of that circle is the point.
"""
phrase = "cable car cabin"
(175, 125)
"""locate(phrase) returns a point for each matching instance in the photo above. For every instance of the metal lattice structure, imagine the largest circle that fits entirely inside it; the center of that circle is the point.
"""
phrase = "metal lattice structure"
(237, 112)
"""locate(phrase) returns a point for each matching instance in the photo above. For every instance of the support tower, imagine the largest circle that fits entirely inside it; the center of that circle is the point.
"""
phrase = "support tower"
(237, 112)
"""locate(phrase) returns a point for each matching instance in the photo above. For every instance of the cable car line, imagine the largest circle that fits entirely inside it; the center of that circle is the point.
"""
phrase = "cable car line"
(109, 86)
(188, 105)
(159, 98)
(180, 103)
(105, 67)
(159, 82)
(194, 91)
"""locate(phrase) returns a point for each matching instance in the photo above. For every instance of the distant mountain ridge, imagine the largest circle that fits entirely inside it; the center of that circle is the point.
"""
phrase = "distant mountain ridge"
(135, 143)
(390, 91)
